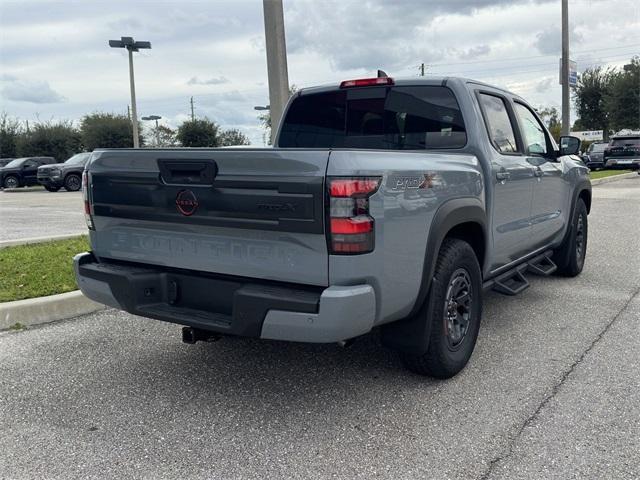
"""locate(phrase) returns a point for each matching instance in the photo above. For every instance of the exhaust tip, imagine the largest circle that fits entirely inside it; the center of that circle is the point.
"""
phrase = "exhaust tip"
(189, 335)
(346, 343)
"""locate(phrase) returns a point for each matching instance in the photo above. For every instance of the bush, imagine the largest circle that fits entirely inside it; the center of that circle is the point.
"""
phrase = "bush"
(233, 137)
(107, 130)
(9, 133)
(200, 132)
(50, 139)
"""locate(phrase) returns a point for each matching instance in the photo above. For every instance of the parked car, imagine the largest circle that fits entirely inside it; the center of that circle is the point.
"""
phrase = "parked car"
(67, 174)
(594, 158)
(383, 203)
(623, 152)
(22, 172)
(4, 161)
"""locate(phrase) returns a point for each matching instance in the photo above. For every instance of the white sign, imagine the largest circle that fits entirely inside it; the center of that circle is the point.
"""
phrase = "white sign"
(589, 136)
(573, 73)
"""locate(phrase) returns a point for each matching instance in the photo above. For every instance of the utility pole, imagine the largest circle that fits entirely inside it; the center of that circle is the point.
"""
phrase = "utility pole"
(128, 113)
(276, 60)
(422, 69)
(193, 116)
(565, 68)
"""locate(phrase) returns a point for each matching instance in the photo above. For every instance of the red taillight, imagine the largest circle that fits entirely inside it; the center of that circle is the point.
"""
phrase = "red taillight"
(352, 187)
(88, 211)
(348, 226)
(367, 82)
(351, 228)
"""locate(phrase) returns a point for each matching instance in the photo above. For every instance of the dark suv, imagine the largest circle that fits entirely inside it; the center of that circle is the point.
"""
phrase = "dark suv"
(67, 174)
(623, 152)
(594, 157)
(22, 172)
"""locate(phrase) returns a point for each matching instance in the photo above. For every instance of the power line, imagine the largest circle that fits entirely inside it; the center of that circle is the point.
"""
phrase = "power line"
(487, 73)
(528, 57)
(491, 69)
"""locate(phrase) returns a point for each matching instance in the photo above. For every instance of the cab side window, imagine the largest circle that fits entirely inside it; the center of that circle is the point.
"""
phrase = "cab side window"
(534, 137)
(498, 123)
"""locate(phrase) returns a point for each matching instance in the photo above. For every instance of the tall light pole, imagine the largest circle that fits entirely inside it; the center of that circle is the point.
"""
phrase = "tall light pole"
(565, 68)
(156, 118)
(131, 46)
(276, 60)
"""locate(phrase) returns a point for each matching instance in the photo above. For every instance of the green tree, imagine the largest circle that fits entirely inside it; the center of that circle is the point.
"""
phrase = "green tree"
(550, 117)
(265, 118)
(622, 100)
(200, 132)
(10, 130)
(163, 136)
(589, 97)
(167, 136)
(107, 130)
(233, 137)
(59, 139)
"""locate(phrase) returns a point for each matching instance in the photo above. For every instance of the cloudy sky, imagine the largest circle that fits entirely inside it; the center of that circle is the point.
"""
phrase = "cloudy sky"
(55, 62)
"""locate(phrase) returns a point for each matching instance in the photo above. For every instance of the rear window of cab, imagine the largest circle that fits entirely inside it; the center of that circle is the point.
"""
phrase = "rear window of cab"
(625, 142)
(381, 117)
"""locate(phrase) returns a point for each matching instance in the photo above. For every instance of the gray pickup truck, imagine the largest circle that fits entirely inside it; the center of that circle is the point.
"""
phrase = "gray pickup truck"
(384, 203)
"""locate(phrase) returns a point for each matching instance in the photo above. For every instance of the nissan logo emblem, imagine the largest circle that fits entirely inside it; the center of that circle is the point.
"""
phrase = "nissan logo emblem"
(186, 202)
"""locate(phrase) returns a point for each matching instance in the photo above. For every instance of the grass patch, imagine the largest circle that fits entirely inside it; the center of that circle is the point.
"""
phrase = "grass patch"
(606, 173)
(28, 271)
(17, 326)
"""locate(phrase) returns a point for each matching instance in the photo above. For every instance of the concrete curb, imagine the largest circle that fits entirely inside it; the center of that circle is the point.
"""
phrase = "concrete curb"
(35, 311)
(32, 240)
(613, 178)
(34, 188)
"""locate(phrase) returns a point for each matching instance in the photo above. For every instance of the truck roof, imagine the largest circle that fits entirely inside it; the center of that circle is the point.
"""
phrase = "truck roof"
(400, 81)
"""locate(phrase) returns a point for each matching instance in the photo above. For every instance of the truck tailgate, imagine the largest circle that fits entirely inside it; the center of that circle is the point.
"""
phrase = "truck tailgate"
(255, 213)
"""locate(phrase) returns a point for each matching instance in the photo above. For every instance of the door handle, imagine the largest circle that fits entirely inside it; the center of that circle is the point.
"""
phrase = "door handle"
(503, 175)
(538, 172)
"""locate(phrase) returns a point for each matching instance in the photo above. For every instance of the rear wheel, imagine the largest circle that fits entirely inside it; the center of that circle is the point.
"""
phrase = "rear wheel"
(51, 189)
(72, 183)
(571, 254)
(454, 308)
(11, 182)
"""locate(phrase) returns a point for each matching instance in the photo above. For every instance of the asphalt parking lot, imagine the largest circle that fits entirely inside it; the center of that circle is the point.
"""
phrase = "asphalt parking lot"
(34, 212)
(551, 391)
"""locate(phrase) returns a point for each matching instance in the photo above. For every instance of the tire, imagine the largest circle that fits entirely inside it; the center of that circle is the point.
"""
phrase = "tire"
(11, 181)
(51, 189)
(72, 183)
(571, 255)
(454, 317)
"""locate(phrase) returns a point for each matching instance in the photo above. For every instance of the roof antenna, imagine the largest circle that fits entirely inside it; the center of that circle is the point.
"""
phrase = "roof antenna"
(382, 74)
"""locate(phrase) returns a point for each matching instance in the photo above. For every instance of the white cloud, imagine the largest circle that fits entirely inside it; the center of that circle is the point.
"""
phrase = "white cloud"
(550, 39)
(31, 91)
(208, 81)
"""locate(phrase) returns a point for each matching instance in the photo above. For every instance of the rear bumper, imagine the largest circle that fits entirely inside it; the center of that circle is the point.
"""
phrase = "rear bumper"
(622, 162)
(230, 305)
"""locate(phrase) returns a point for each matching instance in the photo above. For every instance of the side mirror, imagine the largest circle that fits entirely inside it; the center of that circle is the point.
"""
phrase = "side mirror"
(569, 145)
